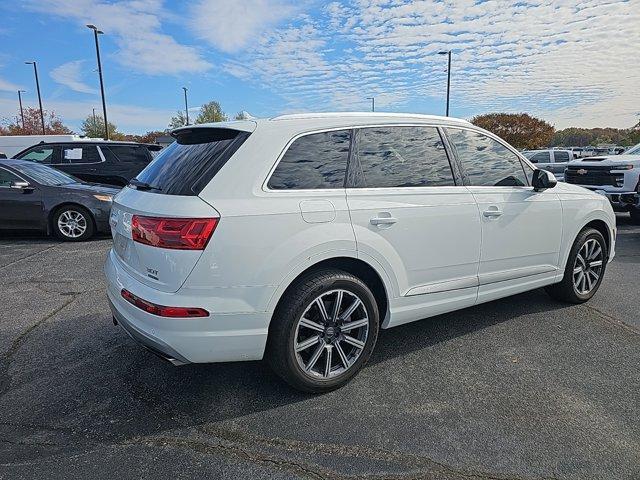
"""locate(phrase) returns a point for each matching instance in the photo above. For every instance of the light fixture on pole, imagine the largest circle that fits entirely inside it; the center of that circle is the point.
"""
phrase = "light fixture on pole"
(448, 53)
(373, 103)
(35, 71)
(186, 107)
(20, 92)
(97, 32)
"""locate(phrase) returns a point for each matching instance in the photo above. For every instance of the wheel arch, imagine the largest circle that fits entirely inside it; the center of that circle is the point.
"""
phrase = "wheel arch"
(602, 227)
(361, 269)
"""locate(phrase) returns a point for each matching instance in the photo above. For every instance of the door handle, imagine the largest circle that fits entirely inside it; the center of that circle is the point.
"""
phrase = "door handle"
(492, 212)
(383, 220)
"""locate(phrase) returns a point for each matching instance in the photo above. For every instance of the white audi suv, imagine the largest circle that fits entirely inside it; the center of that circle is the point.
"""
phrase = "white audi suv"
(296, 238)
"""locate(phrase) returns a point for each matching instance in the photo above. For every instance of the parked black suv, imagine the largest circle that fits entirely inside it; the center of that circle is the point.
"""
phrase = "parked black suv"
(111, 163)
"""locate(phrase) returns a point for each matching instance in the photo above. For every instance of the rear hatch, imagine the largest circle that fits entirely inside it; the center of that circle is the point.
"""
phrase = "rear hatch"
(160, 225)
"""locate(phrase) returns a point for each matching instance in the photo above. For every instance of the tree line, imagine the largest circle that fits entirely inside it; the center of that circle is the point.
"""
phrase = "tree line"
(519, 129)
(526, 132)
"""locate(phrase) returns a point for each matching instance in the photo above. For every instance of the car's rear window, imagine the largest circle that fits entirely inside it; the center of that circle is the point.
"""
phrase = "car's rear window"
(187, 165)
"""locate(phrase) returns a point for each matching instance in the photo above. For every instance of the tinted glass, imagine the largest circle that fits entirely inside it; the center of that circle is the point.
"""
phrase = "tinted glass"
(80, 154)
(45, 175)
(402, 157)
(187, 165)
(6, 177)
(127, 153)
(540, 157)
(318, 160)
(44, 155)
(561, 156)
(485, 161)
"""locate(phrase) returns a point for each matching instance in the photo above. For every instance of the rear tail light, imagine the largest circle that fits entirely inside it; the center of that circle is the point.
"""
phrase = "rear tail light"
(161, 310)
(175, 233)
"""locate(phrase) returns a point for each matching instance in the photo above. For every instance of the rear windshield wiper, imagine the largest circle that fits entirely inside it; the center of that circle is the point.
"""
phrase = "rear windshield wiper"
(142, 185)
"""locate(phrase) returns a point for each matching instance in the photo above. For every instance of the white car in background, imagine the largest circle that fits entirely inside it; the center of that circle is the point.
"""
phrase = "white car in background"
(615, 176)
(297, 238)
(552, 160)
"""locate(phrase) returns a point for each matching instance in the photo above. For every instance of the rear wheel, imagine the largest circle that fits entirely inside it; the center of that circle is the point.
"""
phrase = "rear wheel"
(73, 223)
(323, 331)
(585, 268)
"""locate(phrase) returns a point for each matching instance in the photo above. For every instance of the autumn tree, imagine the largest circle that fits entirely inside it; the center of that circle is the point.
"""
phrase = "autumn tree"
(519, 129)
(32, 124)
(93, 126)
(242, 116)
(149, 137)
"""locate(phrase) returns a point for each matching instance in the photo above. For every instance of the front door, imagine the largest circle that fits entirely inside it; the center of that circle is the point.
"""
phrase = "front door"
(81, 161)
(19, 209)
(409, 215)
(521, 228)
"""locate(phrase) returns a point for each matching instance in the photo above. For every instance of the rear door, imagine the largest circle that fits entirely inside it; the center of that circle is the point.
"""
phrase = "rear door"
(410, 215)
(521, 228)
(81, 161)
(123, 162)
(168, 190)
(561, 159)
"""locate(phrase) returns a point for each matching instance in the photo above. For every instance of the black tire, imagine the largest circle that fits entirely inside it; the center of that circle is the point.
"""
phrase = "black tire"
(566, 290)
(635, 215)
(86, 227)
(284, 331)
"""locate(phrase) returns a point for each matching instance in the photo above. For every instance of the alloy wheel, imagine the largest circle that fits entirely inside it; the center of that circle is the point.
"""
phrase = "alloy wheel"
(331, 334)
(588, 266)
(72, 223)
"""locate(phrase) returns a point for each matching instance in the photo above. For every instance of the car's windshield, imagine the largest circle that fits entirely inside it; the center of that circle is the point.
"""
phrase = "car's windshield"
(44, 175)
(633, 150)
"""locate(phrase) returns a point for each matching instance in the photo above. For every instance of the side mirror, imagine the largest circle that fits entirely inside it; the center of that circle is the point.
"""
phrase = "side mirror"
(20, 185)
(543, 180)
(3, 155)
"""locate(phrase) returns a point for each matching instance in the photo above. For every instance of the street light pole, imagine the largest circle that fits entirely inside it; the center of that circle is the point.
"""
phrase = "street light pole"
(373, 103)
(35, 70)
(20, 92)
(448, 53)
(97, 32)
(186, 107)
(95, 122)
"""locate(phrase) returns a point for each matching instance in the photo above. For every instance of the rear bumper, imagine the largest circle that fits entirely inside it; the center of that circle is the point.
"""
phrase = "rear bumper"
(221, 337)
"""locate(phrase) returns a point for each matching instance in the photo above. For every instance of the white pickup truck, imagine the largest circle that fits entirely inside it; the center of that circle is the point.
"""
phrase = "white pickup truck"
(616, 176)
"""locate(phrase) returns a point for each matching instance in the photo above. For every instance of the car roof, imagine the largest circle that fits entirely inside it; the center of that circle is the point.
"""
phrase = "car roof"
(330, 119)
(93, 141)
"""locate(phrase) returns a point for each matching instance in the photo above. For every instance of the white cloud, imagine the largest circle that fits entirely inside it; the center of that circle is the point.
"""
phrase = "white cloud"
(135, 26)
(573, 62)
(70, 75)
(6, 86)
(233, 25)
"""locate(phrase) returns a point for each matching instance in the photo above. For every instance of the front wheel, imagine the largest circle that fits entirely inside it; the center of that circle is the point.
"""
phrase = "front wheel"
(73, 223)
(323, 331)
(585, 268)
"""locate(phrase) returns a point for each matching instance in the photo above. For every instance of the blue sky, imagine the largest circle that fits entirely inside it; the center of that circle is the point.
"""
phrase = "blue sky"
(572, 62)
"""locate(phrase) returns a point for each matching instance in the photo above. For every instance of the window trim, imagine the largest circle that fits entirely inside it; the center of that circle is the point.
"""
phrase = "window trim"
(523, 160)
(265, 184)
(458, 181)
(2, 167)
(94, 145)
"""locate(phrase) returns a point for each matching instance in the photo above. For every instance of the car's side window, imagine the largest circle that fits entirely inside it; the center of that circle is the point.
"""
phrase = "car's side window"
(560, 156)
(126, 153)
(80, 154)
(314, 161)
(401, 157)
(485, 161)
(6, 177)
(541, 157)
(46, 155)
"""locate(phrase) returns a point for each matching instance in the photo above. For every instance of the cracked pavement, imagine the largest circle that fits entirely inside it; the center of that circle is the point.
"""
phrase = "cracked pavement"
(520, 388)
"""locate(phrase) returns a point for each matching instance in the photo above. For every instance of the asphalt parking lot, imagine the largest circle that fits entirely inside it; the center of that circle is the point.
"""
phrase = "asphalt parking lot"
(523, 388)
